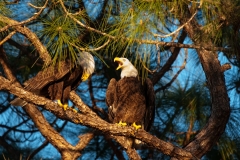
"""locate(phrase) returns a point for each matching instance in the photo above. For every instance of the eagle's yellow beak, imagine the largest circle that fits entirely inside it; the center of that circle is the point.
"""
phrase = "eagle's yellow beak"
(85, 76)
(119, 61)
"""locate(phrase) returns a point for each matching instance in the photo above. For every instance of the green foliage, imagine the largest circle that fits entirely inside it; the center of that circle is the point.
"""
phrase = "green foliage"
(183, 107)
(4, 10)
(60, 35)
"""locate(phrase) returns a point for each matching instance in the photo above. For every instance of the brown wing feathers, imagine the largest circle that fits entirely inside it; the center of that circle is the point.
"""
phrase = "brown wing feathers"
(129, 101)
(54, 82)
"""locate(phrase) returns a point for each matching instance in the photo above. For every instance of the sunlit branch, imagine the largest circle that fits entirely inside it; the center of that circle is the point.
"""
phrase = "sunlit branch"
(32, 37)
(220, 103)
(7, 37)
(83, 108)
(28, 20)
(158, 62)
(14, 2)
(90, 121)
(145, 67)
(84, 140)
(39, 120)
(83, 25)
(177, 30)
(91, 49)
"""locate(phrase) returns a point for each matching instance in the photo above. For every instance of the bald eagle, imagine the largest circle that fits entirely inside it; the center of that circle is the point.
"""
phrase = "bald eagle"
(56, 82)
(129, 101)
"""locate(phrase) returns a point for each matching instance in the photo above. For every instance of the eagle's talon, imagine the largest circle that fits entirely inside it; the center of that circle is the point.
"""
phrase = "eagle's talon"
(59, 102)
(122, 123)
(65, 107)
(136, 126)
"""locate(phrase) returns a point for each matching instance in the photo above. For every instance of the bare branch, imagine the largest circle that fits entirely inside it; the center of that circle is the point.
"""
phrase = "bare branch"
(132, 153)
(94, 105)
(26, 21)
(177, 30)
(84, 140)
(90, 49)
(220, 112)
(7, 37)
(32, 37)
(176, 75)
(6, 67)
(87, 120)
(157, 76)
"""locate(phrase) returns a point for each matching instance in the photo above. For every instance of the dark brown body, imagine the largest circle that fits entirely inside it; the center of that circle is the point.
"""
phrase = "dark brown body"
(131, 101)
(54, 82)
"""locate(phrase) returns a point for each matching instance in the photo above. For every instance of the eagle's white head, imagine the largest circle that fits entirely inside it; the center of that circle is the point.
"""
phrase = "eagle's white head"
(86, 61)
(128, 69)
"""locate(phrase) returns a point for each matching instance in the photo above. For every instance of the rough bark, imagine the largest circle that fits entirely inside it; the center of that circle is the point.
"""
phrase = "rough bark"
(90, 119)
(212, 131)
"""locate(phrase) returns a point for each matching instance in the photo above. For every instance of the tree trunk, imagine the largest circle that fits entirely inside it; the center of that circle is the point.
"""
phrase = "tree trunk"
(212, 131)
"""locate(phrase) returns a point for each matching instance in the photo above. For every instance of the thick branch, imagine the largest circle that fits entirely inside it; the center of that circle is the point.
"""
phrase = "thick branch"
(67, 150)
(211, 133)
(90, 120)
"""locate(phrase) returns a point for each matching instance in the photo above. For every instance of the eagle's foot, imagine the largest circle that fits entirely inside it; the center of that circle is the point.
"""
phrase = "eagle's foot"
(122, 123)
(136, 126)
(64, 106)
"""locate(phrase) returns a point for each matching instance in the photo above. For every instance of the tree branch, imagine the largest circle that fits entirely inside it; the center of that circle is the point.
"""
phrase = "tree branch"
(26, 21)
(7, 37)
(88, 120)
(220, 112)
(32, 37)
(175, 76)
(157, 76)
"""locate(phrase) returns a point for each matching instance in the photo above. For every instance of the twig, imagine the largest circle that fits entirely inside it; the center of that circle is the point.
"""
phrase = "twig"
(144, 66)
(7, 37)
(89, 49)
(94, 105)
(176, 75)
(28, 20)
(32, 37)
(170, 34)
(158, 75)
